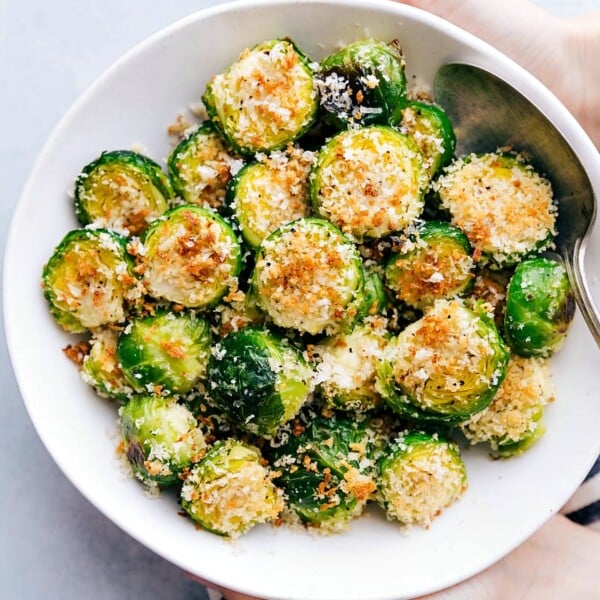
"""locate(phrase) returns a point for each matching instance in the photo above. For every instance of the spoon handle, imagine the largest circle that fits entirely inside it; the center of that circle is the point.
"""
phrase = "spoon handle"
(574, 265)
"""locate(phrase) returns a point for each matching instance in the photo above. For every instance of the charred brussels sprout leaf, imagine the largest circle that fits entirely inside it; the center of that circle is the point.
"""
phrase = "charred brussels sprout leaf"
(435, 263)
(166, 352)
(420, 474)
(362, 83)
(327, 471)
(88, 280)
(445, 367)
(258, 380)
(161, 438)
(191, 256)
(265, 100)
(230, 490)
(539, 307)
(121, 190)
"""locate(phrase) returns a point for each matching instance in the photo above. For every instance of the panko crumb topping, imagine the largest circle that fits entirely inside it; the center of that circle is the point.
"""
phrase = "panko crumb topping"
(369, 182)
(306, 277)
(517, 407)
(503, 205)
(268, 95)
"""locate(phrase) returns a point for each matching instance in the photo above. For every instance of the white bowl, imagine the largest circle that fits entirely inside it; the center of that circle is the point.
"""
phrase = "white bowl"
(134, 102)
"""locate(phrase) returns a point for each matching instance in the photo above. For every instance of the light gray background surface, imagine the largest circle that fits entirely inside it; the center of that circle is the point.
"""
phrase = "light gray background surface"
(53, 543)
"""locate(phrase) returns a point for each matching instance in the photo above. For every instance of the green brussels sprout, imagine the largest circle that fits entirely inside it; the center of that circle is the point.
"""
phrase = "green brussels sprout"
(258, 380)
(434, 263)
(362, 83)
(432, 131)
(376, 299)
(267, 194)
(512, 422)
(326, 469)
(89, 279)
(230, 490)
(165, 352)
(201, 166)
(191, 256)
(121, 190)
(309, 277)
(445, 367)
(346, 366)
(540, 306)
(503, 205)
(420, 474)
(161, 438)
(101, 368)
(368, 181)
(266, 100)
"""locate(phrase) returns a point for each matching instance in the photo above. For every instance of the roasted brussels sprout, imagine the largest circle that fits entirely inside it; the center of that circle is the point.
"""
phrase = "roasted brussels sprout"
(101, 368)
(309, 277)
(230, 490)
(326, 469)
(432, 131)
(362, 83)
(434, 263)
(368, 182)
(191, 256)
(121, 190)
(502, 204)
(420, 474)
(376, 299)
(346, 366)
(89, 279)
(540, 305)
(271, 192)
(161, 438)
(201, 166)
(258, 380)
(165, 353)
(512, 422)
(445, 367)
(265, 100)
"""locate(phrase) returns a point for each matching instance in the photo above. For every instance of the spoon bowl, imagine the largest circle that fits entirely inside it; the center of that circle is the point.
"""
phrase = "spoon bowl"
(488, 113)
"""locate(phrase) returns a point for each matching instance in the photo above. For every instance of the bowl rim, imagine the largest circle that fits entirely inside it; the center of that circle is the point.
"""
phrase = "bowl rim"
(519, 78)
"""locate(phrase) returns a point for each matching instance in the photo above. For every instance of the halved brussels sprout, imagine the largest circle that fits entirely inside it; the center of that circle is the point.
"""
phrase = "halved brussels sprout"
(326, 469)
(376, 300)
(432, 131)
(201, 166)
(161, 438)
(362, 83)
(258, 380)
(434, 263)
(101, 368)
(88, 280)
(502, 204)
(309, 277)
(512, 422)
(166, 352)
(540, 305)
(265, 100)
(346, 368)
(368, 182)
(267, 194)
(420, 474)
(191, 256)
(121, 190)
(230, 490)
(445, 367)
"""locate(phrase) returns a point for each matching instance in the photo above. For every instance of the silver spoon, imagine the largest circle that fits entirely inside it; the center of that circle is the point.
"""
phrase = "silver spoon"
(488, 113)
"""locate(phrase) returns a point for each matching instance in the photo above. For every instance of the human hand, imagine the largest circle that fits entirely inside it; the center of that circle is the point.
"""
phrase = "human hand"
(562, 53)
